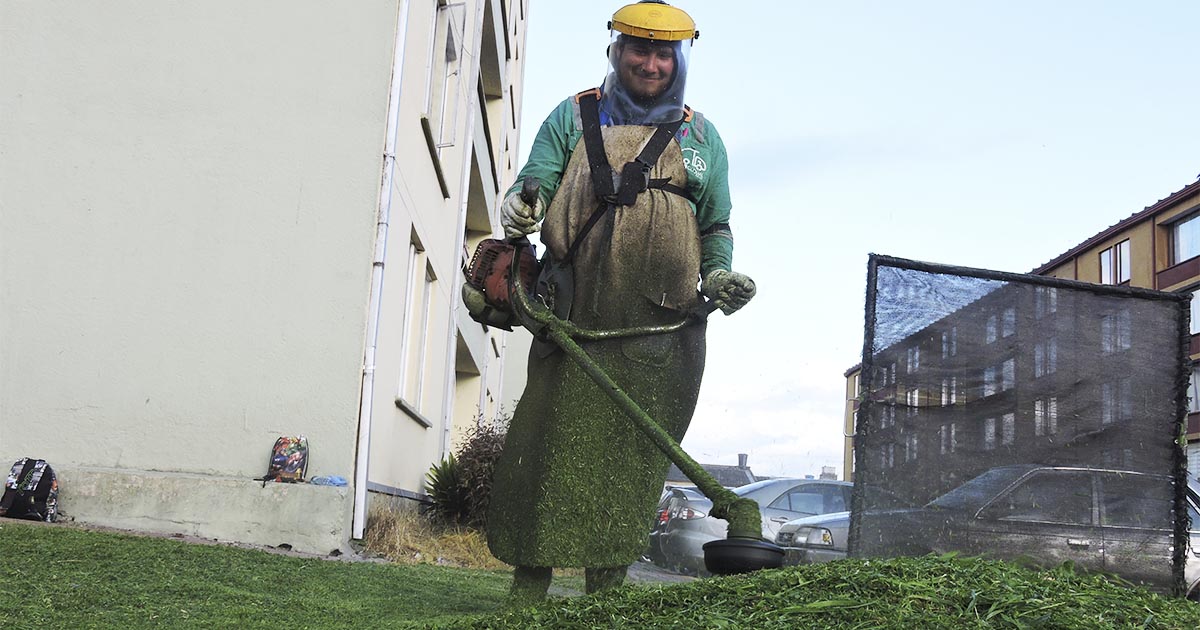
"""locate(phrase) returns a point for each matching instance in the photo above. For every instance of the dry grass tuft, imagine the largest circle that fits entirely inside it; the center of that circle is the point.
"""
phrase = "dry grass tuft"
(402, 535)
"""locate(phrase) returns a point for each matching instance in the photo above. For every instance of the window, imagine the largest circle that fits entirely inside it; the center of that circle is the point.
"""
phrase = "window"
(1045, 301)
(953, 437)
(1195, 312)
(1047, 497)
(950, 342)
(991, 328)
(1136, 501)
(910, 448)
(888, 417)
(1009, 327)
(989, 434)
(812, 499)
(913, 360)
(1117, 399)
(913, 399)
(1008, 374)
(1115, 332)
(445, 80)
(1045, 416)
(419, 294)
(1045, 357)
(1185, 239)
(944, 434)
(1195, 323)
(1114, 264)
(949, 391)
(989, 381)
(1194, 390)
(1008, 428)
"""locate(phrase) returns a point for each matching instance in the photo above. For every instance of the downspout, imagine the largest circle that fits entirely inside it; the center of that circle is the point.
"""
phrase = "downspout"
(367, 394)
(460, 234)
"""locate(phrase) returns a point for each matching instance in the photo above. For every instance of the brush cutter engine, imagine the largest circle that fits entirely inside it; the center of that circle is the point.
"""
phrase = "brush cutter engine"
(488, 274)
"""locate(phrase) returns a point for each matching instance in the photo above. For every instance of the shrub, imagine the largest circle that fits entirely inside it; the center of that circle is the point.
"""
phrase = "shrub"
(461, 485)
(445, 486)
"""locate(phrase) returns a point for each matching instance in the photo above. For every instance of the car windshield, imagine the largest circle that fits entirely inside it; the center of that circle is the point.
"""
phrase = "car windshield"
(973, 494)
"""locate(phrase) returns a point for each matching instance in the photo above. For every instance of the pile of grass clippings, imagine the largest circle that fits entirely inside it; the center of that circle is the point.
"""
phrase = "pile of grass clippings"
(929, 592)
(406, 537)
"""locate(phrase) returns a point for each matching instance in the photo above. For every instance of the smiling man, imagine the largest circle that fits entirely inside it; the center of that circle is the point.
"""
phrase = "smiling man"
(632, 226)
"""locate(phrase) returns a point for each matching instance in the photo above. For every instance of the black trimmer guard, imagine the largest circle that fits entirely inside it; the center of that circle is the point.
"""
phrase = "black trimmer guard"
(729, 556)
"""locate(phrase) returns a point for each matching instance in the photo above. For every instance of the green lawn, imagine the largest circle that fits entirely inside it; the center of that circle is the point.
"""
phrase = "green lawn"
(63, 577)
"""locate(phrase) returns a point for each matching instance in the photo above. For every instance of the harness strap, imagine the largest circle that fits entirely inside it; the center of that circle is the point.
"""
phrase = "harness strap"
(635, 176)
(593, 141)
(665, 185)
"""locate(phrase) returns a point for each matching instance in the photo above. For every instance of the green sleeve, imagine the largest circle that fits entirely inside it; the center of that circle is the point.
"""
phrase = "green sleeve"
(713, 205)
(551, 149)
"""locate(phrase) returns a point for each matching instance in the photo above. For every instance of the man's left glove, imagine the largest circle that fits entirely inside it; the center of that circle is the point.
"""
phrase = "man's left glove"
(729, 289)
(519, 218)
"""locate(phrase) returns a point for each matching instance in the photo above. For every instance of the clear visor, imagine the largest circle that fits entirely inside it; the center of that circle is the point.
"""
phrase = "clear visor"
(645, 81)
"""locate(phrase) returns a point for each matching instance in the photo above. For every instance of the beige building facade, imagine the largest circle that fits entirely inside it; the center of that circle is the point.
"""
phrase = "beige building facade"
(224, 222)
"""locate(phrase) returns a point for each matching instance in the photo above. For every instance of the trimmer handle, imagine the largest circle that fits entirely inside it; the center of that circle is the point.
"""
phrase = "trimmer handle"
(529, 190)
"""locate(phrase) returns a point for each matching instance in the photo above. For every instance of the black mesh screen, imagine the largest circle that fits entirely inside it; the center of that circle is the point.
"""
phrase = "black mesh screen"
(1021, 417)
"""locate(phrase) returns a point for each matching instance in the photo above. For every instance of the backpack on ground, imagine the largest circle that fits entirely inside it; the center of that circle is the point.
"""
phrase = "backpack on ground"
(289, 461)
(31, 491)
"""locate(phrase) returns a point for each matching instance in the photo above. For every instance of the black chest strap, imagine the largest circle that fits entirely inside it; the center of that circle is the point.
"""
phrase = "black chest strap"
(635, 175)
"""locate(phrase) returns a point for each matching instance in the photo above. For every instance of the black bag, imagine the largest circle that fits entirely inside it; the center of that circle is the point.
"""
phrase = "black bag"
(31, 491)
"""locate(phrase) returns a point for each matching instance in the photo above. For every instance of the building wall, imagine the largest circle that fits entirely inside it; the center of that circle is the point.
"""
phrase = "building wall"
(437, 370)
(189, 216)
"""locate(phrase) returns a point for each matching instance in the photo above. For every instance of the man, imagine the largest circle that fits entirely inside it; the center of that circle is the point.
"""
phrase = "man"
(635, 200)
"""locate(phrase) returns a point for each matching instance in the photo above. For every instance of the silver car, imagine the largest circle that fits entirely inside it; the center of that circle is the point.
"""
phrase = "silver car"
(683, 525)
(823, 538)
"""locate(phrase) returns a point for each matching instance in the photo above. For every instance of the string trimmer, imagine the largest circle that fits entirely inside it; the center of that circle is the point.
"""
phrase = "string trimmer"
(743, 549)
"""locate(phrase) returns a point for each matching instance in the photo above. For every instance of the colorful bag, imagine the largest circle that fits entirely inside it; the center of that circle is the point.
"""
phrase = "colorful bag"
(289, 461)
(31, 491)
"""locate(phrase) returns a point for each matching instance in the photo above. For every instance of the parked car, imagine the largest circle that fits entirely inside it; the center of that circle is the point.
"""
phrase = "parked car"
(683, 523)
(822, 538)
(1118, 524)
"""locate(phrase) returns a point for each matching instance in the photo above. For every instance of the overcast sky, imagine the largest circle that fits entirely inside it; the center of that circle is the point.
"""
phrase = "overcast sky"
(985, 134)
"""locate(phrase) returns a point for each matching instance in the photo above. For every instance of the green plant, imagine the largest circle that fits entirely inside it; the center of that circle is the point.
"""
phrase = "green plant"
(446, 490)
(477, 459)
(460, 486)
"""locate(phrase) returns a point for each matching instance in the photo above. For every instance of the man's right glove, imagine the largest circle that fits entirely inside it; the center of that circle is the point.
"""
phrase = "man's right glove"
(729, 289)
(518, 218)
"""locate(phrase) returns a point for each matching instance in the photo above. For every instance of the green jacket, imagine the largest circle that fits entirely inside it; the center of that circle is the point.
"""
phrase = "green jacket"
(704, 159)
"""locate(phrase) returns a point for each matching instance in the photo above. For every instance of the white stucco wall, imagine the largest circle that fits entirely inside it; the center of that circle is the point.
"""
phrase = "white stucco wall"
(187, 217)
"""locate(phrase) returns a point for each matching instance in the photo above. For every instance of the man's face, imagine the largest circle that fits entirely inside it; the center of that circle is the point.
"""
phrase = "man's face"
(646, 67)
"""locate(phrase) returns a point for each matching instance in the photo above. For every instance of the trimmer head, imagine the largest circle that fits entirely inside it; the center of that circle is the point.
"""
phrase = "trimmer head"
(728, 556)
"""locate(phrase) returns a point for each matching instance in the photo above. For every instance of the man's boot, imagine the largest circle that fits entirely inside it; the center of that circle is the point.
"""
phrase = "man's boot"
(529, 585)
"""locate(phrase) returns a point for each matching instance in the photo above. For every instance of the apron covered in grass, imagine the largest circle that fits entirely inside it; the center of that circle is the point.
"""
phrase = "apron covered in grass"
(578, 482)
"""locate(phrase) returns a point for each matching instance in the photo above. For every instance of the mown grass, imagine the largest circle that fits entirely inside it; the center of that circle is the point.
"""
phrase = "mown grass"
(63, 577)
(926, 593)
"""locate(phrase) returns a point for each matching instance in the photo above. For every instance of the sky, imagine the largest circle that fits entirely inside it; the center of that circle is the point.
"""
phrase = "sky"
(995, 135)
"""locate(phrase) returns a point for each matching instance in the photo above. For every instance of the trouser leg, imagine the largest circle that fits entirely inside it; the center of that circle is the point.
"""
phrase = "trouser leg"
(530, 584)
(602, 579)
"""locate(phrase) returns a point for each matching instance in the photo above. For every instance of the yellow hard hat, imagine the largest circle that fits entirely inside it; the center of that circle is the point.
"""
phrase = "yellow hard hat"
(654, 19)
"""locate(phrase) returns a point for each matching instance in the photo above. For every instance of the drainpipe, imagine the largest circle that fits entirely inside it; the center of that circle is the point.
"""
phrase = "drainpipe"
(460, 234)
(373, 311)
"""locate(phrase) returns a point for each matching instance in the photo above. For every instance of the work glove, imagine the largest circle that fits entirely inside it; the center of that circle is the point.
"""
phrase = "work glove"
(518, 218)
(729, 289)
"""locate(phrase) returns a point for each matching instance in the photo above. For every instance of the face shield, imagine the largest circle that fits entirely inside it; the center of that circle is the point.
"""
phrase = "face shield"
(646, 80)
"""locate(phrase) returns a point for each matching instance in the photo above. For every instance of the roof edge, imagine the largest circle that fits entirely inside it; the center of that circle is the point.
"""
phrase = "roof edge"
(1147, 212)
